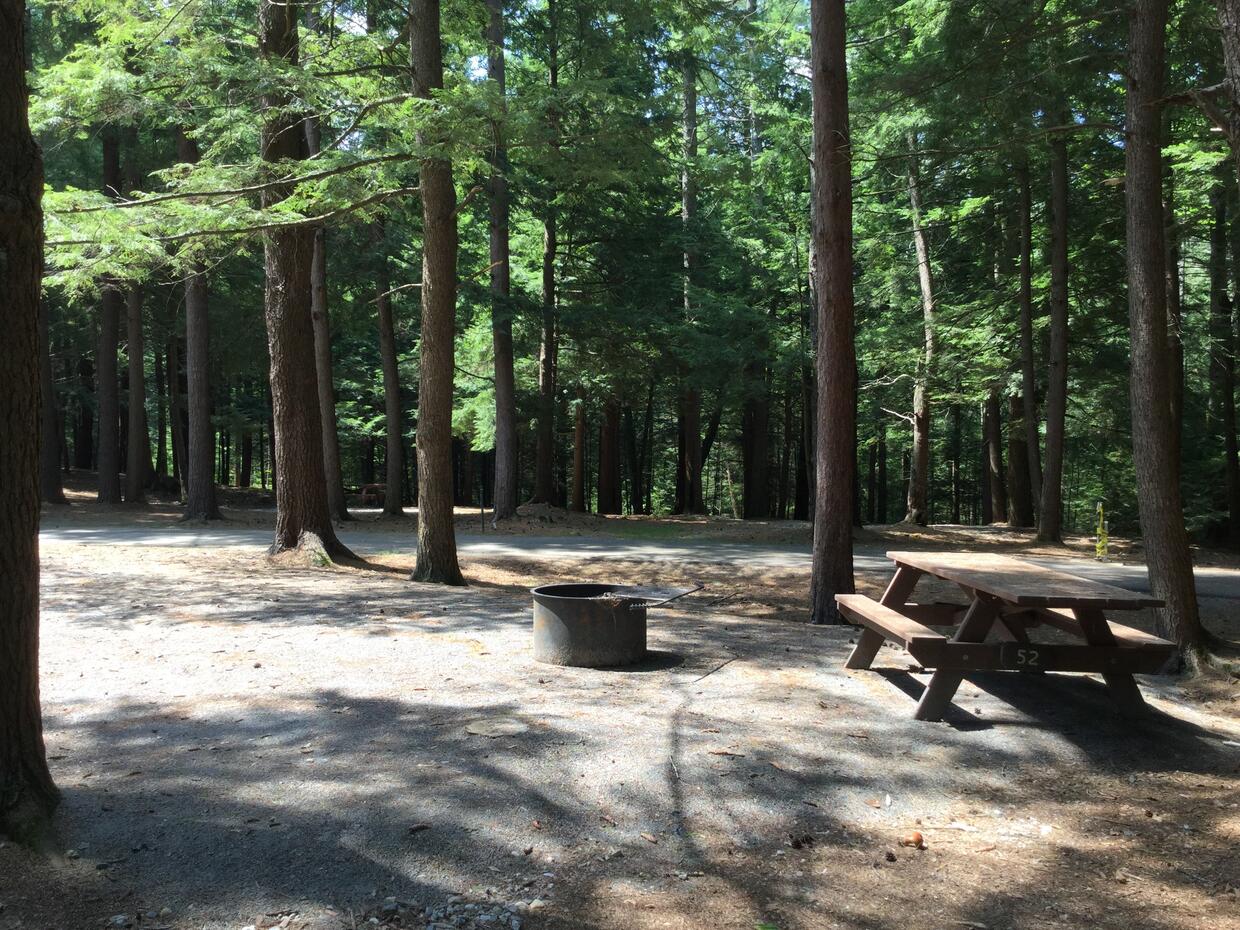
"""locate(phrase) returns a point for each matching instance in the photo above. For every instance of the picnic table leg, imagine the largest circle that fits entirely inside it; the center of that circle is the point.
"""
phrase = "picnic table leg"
(1123, 686)
(868, 644)
(944, 682)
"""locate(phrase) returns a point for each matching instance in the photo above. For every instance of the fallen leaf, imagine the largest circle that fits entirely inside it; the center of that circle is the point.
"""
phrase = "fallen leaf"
(874, 802)
(650, 838)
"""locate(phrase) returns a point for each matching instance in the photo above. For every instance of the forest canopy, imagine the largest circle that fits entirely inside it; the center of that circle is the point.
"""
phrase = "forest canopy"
(961, 114)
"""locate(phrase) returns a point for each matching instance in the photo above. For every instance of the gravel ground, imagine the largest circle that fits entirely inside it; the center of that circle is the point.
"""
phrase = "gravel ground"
(243, 744)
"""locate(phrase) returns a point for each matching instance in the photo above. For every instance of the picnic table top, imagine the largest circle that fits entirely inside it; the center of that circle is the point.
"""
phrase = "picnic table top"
(1023, 583)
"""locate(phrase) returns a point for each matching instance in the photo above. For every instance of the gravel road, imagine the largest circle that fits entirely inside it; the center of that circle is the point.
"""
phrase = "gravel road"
(1211, 582)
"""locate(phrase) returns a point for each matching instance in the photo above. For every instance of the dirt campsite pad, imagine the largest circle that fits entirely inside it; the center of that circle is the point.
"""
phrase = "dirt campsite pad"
(249, 745)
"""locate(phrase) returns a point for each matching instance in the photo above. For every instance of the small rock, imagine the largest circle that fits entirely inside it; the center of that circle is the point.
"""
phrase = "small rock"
(72, 854)
(891, 857)
(537, 904)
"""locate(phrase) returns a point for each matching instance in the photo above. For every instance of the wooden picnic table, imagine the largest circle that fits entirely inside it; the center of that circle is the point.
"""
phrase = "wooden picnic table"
(1006, 597)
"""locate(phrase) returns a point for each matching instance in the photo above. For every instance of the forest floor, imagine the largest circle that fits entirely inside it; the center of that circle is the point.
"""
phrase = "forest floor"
(245, 743)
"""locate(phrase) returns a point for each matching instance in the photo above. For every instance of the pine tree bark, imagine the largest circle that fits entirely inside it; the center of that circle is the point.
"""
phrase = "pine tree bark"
(633, 458)
(579, 439)
(609, 459)
(1050, 513)
(544, 452)
(1024, 290)
(994, 457)
(690, 465)
(197, 443)
(504, 498)
(301, 488)
(436, 561)
(578, 501)
(111, 301)
(84, 423)
(755, 451)
(954, 446)
(245, 472)
(393, 413)
(161, 416)
(919, 481)
(832, 571)
(51, 485)
(138, 465)
(1223, 361)
(27, 794)
(1175, 341)
(1020, 499)
(1158, 490)
(321, 318)
(883, 511)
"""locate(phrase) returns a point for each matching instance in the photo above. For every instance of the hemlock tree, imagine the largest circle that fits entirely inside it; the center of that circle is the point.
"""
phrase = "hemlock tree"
(301, 488)
(832, 571)
(27, 794)
(436, 559)
(1162, 511)
(199, 470)
(1050, 512)
(505, 493)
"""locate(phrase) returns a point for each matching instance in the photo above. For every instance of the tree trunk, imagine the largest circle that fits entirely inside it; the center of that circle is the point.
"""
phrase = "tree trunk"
(1020, 498)
(51, 487)
(955, 460)
(633, 459)
(1223, 359)
(301, 488)
(197, 463)
(177, 413)
(84, 425)
(544, 454)
(884, 513)
(1158, 490)
(690, 465)
(832, 571)
(609, 459)
(161, 416)
(109, 463)
(578, 503)
(787, 448)
(1029, 383)
(245, 474)
(995, 480)
(393, 413)
(321, 319)
(646, 451)
(1050, 513)
(983, 472)
(871, 485)
(919, 481)
(436, 529)
(505, 495)
(1175, 340)
(27, 795)
(755, 452)
(138, 465)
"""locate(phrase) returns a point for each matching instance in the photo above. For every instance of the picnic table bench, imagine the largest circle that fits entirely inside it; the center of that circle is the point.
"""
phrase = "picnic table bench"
(1008, 597)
